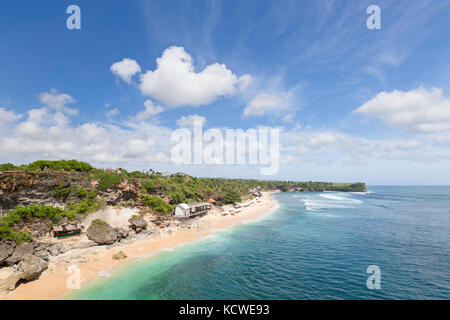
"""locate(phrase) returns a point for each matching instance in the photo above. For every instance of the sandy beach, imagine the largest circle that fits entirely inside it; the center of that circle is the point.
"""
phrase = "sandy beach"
(91, 261)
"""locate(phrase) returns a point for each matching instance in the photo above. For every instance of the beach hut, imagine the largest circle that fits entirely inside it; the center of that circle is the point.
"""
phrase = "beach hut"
(192, 210)
(182, 210)
(211, 200)
(66, 230)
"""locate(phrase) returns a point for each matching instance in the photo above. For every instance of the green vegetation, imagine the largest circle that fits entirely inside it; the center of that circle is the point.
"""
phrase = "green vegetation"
(91, 194)
(62, 192)
(7, 167)
(83, 207)
(105, 179)
(231, 196)
(156, 203)
(81, 192)
(41, 165)
(23, 214)
(29, 213)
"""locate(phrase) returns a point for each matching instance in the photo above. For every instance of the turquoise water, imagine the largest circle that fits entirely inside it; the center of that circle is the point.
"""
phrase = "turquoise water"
(315, 246)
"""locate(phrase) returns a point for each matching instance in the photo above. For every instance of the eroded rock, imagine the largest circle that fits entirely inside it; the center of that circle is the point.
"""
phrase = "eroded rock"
(138, 224)
(9, 278)
(31, 267)
(101, 232)
(6, 249)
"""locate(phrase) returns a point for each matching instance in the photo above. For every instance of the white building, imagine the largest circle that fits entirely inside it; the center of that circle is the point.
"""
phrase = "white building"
(192, 210)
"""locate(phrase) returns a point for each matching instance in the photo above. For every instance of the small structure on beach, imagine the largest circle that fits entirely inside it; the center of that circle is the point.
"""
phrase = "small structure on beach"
(256, 192)
(211, 200)
(66, 230)
(191, 210)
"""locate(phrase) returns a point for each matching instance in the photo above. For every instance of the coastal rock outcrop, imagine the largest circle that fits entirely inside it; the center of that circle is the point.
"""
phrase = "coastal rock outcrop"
(6, 249)
(9, 277)
(101, 232)
(31, 267)
(138, 224)
(20, 252)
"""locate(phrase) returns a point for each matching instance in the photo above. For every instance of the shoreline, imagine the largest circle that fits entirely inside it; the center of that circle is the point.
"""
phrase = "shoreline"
(52, 284)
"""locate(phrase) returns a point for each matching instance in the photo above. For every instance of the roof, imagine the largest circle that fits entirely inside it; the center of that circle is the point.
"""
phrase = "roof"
(67, 227)
(183, 205)
(198, 204)
(211, 200)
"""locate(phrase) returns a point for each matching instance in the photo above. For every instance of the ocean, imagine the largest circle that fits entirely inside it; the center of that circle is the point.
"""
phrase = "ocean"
(315, 246)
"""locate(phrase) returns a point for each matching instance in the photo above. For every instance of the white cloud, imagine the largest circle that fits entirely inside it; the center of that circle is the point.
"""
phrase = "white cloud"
(58, 101)
(49, 134)
(150, 110)
(244, 82)
(421, 110)
(7, 117)
(331, 147)
(176, 83)
(126, 69)
(112, 113)
(265, 103)
(188, 121)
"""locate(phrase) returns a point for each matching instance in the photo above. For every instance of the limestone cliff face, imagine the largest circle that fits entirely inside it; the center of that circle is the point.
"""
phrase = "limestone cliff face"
(25, 188)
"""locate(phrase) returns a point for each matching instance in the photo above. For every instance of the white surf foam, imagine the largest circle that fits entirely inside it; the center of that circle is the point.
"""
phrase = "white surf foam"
(329, 201)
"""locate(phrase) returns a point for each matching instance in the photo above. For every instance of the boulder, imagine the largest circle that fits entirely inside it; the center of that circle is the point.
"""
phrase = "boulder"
(101, 232)
(31, 267)
(54, 250)
(122, 233)
(6, 249)
(8, 279)
(43, 254)
(137, 223)
(20, 252)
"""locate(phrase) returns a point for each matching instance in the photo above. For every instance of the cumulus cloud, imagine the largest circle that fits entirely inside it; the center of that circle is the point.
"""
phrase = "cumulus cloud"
(126, 69)
(421, 110)
(58, 101)
(188, 121)
(48, 134)
(7, 116)
(150, 110)
(176, 83)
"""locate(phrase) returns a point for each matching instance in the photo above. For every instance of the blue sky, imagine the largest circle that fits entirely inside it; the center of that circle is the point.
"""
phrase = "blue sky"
(352, 104)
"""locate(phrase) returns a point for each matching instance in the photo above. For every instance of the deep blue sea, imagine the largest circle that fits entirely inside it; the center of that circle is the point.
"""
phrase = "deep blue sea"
(315, 246)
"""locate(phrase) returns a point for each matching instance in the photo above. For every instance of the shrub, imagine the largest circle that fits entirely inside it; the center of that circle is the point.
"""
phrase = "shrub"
(60, 165)
(81, 192)
(83, 207)
(231, 196)
(7, 167)
(92, 194)
(148, 185)
(156, 203)
(61, 191)
(106, 180)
